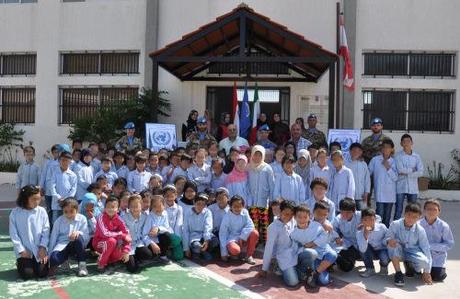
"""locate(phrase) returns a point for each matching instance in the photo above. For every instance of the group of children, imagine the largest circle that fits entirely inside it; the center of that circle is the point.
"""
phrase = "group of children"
(306, 209)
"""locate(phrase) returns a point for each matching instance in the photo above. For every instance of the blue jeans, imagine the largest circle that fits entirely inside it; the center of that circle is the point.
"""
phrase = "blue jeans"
(412, 198)
(412, 255)
(195, 246)
(371, 254)
(76, 247)
(290, 277)
(383, 209)
(306, 259)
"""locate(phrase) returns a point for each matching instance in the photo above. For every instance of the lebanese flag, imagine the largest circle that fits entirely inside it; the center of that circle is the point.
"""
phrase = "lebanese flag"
(348, 81)
(255, 114)
(235, 110)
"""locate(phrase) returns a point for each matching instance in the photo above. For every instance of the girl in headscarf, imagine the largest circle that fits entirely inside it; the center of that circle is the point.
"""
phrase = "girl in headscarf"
(190, 127)
(261, 183)
(302, 168)
(187, 200)
(237, 179)
(85, 173)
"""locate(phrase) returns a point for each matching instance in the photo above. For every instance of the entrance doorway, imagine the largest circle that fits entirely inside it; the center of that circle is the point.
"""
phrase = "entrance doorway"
(272, 100)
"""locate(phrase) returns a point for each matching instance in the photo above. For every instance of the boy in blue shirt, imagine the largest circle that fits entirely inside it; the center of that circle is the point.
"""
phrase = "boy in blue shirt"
(439, 236)
(29, 171)
(371, 243)
(407, 242)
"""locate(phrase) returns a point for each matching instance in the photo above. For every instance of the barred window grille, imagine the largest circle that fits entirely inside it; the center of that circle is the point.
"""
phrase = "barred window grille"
(411, 110)
(100, 63)
(76, 103)
(18, 64)
(17, 105)
(409, 64)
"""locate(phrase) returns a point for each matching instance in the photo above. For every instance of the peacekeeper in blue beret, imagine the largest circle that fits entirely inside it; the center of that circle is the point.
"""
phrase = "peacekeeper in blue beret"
(129, 143)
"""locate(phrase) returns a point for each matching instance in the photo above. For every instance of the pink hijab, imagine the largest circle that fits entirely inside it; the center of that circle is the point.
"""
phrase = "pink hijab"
(236, 176)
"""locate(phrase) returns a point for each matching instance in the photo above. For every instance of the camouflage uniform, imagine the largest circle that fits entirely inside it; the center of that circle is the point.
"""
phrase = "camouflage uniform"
(316, 137)
(123, 145)
(194, 138)
(371, 146)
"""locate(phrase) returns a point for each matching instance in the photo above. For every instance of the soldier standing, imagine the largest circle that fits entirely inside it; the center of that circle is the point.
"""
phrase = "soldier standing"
(371, 144)
(201, 137)
(312, 134)
(129, 143)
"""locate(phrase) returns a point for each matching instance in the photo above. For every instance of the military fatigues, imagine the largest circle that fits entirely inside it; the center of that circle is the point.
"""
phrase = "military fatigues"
(371, 146)
(124, 146)
(194, 138)
(315, 136)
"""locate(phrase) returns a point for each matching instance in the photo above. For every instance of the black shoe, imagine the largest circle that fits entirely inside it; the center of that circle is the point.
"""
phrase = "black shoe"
(399, 279)
(312, 278)
(410, 271)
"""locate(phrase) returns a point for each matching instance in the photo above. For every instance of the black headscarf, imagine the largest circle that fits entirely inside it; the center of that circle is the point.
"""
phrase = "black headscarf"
(84, 152)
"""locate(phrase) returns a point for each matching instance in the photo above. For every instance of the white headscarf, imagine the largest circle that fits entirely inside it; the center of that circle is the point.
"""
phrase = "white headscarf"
(260, 149)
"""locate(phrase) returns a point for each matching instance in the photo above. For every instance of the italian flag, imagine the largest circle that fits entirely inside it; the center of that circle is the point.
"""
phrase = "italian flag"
(255, 115)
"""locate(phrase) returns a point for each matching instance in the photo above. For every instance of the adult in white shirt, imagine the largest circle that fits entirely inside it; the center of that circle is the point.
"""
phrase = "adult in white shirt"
(232, 140)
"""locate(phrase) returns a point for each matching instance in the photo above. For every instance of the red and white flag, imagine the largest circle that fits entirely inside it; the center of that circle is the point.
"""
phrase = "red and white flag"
(235, 110)
(348, 81)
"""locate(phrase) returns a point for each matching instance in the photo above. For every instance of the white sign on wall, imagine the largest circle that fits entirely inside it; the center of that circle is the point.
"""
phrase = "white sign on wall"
(345, 137)
(160, 136)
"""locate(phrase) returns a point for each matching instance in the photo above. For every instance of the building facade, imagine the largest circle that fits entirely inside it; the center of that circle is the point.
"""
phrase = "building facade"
(61, 59)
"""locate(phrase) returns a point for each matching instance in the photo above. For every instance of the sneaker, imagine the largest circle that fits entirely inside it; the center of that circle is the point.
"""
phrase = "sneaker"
(368, 273)
(399, 279)
(165, 260)
(410, 271)
(82, 271)
(311, 280)
(65, 267)
(383, 270)
(250, 260)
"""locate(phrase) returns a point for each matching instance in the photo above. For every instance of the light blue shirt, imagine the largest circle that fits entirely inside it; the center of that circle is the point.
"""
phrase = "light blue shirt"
(110, 175)
(234, 227)
(201, 176)
(290, 187)
(185, 208)
(96, 164)
(135, 228)
(412, 166)
(413, 238)
(311, 205)
(384, 180)
(62, 184)
(155, 220)
(45, 176)
(280, 245)
(277, 168)
(28, 174)
(261, 186)
(29, 230)
(239, 188)
(317, 172)
(218, 181)
(441, 240)
(313, 233)
(177, 172)
(302, 143)
(85, 176)
(342, 184)
(122, 171)
(217, 215)
(62, 228)
(348, 229)
(376, 238)
(197, 226)
(361, 177)
(175, 218)
(138, 181)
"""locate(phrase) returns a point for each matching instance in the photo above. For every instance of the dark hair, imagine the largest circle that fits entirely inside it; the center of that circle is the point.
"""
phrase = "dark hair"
(404, 136)
(186, 157)
(155, 198)
(169, 188)
(287, 204)
(133, 198)
(111, 199)
(388, 142)
(201, 197)
(432, 201)
(65, 155)
(106, 159)
(302, 208)
(119, 154)
(92, 187)
(313, 146)
(335, 143)
(145, 193)
(347, 204)
(120, 181)
(413, 208)
(24, 194)
(76, 141)
(321, 205)
(318, 181)
(288, 159)
(54, 147)
(69, 202)
(29, 148)
(217, 160)
(236, 198)
(190, 184)
(356, 144)
(179, 177)
(279, 148)
(367, 212)
(100, 178)
(140, 159)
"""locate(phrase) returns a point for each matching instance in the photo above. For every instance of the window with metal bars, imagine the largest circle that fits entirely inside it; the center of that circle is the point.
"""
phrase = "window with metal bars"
(76, 103)
(100, 63)
(17, 105)
(18, 64)
(411, 110)
(409, 64)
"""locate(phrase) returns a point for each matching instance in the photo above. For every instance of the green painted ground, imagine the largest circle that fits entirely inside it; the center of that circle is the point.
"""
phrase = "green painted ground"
(173, 281)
